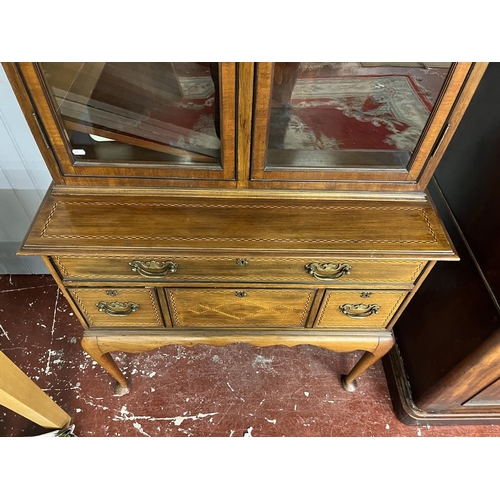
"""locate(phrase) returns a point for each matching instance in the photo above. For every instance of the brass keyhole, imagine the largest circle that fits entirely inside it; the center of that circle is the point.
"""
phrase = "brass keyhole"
(241, 294)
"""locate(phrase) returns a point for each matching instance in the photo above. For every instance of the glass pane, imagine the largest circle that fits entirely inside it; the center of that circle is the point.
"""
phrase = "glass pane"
(350, 114)
(151, 112)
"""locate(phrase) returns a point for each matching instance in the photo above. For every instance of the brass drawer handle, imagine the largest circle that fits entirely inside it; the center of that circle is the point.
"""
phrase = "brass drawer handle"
(358, 311)
(120, 309)
(328, 272)
(153, 268)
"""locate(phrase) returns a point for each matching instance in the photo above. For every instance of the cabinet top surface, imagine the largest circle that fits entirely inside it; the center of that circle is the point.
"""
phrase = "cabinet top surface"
(119, 225)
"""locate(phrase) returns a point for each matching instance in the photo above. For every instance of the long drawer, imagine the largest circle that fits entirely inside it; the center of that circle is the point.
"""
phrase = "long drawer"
(358, 309)
(240, 269)
(246, 307)
(119, 307)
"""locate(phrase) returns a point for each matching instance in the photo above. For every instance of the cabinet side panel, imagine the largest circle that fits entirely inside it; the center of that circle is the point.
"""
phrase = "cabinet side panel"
(469, 175)
(451, 315)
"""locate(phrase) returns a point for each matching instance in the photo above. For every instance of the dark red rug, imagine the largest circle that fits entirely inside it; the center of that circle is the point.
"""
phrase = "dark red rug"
(384, 112)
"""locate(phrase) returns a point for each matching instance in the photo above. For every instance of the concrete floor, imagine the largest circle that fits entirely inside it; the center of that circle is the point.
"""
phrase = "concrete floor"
(238, 390)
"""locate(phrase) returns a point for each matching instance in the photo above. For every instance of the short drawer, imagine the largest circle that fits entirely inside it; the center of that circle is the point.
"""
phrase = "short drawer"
(358, 309)
(240, 269)
(245, 307)
(118, 307)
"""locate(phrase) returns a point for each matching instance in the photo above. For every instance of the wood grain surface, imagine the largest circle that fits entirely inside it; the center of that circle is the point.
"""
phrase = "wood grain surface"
(126, 225)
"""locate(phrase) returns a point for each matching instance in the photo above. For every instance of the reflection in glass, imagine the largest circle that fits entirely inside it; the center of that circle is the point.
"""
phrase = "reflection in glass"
(159, 111)
(350, 114)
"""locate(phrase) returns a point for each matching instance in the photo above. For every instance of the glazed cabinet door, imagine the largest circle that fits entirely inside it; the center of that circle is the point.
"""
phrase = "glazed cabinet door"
(170, 120)
(360, 125)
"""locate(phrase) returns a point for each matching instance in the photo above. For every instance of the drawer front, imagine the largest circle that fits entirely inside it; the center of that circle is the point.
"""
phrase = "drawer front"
(243, 269)
(358, 309)
(118, 307)
(245, 307)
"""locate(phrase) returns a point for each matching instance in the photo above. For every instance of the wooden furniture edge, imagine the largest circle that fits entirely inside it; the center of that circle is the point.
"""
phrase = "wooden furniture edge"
(30, 115)
(100, 346)
(21, 395)
(454, 118)
(407, 411)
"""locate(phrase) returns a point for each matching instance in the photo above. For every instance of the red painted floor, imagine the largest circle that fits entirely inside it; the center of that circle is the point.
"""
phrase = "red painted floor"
(202, 391)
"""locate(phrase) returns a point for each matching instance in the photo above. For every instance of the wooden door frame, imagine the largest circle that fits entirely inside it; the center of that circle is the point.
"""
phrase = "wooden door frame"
(246, 109)
(452, 102)
(49, 133)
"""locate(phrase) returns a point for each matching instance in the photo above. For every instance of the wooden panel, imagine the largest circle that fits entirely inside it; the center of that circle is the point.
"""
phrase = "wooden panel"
(487, 397)
(243, 269)
(471, 192)
(245, 307)
(245, 102)
(449, 335)
(118, 315)
(372, 311)
(131, 225)
(130, 341)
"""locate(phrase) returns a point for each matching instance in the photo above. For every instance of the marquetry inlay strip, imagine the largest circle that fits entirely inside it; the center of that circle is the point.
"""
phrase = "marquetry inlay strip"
(324, 207)
(83, 308)
(155, 309)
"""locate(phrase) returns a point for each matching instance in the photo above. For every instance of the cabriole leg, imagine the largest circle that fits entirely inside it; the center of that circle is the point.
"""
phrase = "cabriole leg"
(368, 359)
(91, 346)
